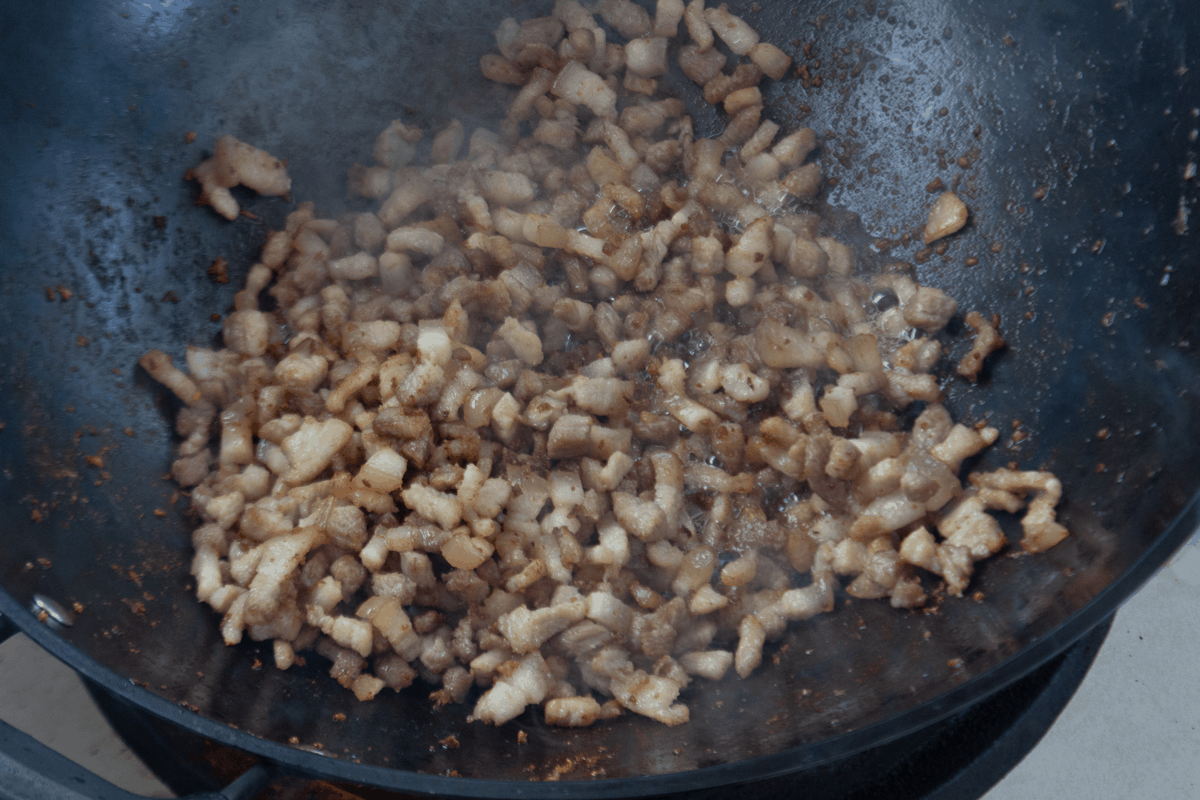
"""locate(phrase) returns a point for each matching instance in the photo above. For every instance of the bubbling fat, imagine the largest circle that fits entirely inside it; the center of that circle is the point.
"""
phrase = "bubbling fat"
(585, 409)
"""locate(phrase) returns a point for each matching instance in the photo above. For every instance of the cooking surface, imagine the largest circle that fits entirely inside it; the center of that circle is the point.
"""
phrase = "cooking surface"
(107, 164)
(1131, 729)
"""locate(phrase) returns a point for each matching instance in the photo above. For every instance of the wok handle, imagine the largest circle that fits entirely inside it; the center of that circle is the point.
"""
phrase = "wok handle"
(7, 629)
(31, 771)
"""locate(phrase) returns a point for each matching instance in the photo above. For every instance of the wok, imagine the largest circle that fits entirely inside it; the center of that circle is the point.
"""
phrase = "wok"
(1087, 106)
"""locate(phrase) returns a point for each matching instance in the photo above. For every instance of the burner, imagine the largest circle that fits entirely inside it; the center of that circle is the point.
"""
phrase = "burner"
(959, 758)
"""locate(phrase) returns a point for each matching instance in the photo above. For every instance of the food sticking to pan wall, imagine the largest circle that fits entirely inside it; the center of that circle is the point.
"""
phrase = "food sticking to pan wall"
(587, 408)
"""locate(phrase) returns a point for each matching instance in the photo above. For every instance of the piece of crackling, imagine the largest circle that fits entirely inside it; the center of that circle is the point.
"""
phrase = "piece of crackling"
(162, 369)
(253, 168)
(948, 215)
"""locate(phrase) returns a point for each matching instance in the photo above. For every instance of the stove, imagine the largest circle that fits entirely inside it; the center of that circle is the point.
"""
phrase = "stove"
(1127, 732)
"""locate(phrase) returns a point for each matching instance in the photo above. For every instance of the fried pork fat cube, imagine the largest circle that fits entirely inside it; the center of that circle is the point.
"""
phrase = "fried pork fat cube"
(516, 428)
(233, 163)
(948, 215)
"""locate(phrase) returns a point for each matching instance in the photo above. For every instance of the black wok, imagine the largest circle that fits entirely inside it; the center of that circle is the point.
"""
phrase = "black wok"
(1087, 106)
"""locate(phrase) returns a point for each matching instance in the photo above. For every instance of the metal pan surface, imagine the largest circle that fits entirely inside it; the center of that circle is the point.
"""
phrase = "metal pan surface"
(1077, 127)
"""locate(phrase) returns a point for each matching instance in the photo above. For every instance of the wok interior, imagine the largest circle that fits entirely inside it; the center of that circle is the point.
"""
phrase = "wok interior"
(96, 133)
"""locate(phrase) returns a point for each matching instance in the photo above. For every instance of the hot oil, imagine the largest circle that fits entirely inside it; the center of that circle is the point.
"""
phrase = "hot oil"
(755, 521)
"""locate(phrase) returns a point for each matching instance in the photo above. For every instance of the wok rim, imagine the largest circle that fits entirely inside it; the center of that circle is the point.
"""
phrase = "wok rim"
(790, 760)
(795, 759)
